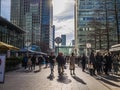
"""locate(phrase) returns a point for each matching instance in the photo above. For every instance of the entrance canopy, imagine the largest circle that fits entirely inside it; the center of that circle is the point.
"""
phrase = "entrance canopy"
(4, 46)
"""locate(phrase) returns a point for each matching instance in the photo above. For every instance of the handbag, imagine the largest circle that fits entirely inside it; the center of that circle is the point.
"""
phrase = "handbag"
(90, 66)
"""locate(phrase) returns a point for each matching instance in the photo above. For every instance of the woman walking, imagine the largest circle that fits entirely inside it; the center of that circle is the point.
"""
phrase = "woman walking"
(29, 63)
(72, 64)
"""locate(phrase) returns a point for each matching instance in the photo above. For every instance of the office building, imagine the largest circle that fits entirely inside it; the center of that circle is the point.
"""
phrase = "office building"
(73, 42)
(0, 7)
(35, 17)
(63, 37)
(47, 24)
(11, 34)
(96, 24)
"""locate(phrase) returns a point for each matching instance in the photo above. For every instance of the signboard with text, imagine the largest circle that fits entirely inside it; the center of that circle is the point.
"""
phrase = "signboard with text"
(2, 68)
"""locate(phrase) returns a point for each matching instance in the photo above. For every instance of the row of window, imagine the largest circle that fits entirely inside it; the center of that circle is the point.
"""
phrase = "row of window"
(11, 37)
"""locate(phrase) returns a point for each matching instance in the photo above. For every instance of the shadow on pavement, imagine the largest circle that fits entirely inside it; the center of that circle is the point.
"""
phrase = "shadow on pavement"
(113, 78)
(64, 79)
(36, 71)
(51, 77)
(78, 79)
(108, 82)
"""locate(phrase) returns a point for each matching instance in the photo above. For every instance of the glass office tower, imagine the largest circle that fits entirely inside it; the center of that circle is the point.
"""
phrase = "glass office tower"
(95, 24)
(34, 16)
(47, 23)
(0, 7)
(63, 37)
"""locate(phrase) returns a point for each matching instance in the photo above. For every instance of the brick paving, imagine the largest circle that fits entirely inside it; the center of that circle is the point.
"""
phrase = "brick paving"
(23, 80)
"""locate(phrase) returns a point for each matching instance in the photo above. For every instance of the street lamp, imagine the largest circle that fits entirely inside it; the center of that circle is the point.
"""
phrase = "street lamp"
(86, 33)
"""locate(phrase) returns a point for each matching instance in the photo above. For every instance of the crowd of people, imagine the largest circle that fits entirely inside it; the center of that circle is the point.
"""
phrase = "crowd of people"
(100, 63)
(95, 63)
(30, 62)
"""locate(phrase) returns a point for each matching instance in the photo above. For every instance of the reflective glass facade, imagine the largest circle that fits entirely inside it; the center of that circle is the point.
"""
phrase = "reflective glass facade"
(26, 14)
(47, 23)
(11, 34)
(95, 23)
(63, 37)
(0, 7)
(34, 17)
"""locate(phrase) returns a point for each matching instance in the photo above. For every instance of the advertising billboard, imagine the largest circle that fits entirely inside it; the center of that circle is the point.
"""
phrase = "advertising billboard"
(2, 68)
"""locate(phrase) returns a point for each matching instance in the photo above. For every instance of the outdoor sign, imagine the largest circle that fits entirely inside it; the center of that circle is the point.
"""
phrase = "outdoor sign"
(58, 40)
(2, 68)
(88, 45)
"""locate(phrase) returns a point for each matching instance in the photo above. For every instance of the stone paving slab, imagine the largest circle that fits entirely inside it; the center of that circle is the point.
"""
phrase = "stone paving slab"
(24, 80)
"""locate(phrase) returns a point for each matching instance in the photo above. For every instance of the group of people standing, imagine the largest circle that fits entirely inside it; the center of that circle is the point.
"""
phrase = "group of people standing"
(98, 63)
(30, 61)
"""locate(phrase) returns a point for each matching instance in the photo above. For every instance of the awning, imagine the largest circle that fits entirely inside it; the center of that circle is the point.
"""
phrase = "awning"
(4, 46)
(36, 52)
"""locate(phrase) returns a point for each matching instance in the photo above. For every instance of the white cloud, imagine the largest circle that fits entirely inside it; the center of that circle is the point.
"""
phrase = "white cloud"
(63, 16)
(64, 20)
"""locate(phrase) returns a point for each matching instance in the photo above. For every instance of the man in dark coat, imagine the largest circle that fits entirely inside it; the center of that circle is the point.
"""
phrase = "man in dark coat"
(99, 61)
(83, 62)
(52, 62)
(108, 63)
(61, 62)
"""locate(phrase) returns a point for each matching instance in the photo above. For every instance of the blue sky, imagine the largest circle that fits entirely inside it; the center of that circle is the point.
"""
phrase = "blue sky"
(63, 12)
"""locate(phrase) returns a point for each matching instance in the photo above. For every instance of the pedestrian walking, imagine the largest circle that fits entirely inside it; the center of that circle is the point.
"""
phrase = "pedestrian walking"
(79, 60)
(52, 62)
(33, 59)
(29, 63)
(72, 64)
(40, 60)
(92, 64)
(83, 62)
(61, 63)
(25, 60)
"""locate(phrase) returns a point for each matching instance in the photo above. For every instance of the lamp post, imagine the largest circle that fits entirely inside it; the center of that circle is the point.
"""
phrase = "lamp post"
(86, 33)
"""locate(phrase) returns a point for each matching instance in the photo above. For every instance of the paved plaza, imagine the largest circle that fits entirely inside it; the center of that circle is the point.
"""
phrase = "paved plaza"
(23, 80)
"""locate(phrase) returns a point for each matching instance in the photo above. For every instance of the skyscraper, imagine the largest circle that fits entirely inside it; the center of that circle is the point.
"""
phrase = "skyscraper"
(34, 16)
(47, 23)
(95, 23)
(0, 7)
(63, 37)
